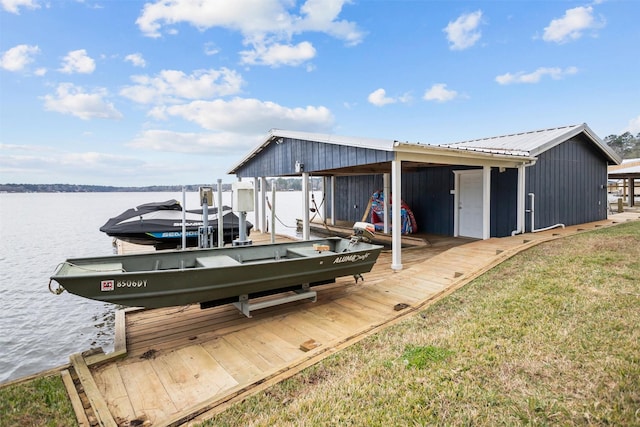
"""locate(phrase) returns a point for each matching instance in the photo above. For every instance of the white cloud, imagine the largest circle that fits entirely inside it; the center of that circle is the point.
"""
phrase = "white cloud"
(210, 48)
(136, 59)
(18, 57)
(92, 160)
(267, 26)
(322, 15)
(250, 116)
(174, 85)
(77, 61)
(439, 92)
(572, 25)
(634, 126)
(193, 143)
(73, 100)
(13, 6)
(47, 162)
(463, 32)
(379, 98)
(555, 73)
(275, 54)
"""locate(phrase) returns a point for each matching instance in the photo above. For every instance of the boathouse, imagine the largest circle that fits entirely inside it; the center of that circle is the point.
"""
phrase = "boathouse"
(626, 173)
(483, 188)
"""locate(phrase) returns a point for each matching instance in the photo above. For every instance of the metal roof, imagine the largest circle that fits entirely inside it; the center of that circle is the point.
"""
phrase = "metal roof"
(535, 142)
(633, 169)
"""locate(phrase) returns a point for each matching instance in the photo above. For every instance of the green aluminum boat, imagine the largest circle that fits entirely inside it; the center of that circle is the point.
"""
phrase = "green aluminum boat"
(213, 276)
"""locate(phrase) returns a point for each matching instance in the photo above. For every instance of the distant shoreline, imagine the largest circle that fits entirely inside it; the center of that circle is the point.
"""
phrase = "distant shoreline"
(282, 184)
(69, 188)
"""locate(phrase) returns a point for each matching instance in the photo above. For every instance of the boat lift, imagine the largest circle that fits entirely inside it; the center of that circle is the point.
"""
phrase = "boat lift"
(362, 231)
(243, 202)
(205, 231)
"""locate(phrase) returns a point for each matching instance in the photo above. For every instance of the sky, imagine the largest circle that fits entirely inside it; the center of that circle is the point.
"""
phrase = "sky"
(171, 92)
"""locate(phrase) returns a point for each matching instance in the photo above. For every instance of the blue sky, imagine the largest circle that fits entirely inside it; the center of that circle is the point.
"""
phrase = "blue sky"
(176, 92)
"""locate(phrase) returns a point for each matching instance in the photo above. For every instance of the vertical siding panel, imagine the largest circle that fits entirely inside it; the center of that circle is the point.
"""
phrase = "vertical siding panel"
(573, 172)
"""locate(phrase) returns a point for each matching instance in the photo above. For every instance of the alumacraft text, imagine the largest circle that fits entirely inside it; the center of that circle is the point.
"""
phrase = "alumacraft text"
(351, 258)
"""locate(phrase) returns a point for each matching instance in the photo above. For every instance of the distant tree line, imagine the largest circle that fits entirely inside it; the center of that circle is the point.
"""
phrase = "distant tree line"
(282, 184)
(626, 145)
(73, 188)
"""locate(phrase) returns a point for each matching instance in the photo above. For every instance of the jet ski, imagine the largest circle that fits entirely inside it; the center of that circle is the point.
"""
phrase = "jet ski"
(160, 224)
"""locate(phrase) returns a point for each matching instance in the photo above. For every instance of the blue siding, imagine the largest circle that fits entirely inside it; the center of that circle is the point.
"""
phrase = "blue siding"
(279, 159)
(504, 202)
(569, 183)
(353, 194)
(427, 191)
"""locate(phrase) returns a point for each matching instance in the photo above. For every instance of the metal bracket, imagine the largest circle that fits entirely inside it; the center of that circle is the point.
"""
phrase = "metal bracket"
(246, 307)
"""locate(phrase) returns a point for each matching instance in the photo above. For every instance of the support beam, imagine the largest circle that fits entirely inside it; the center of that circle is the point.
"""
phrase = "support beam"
(396, 221)
(325, 209)
(632, 192)
(386, 186)
(486, 202)
(256, 199)
(305, 214)
(521, 200)
(263, 204)
(333, 200)
(220, 216)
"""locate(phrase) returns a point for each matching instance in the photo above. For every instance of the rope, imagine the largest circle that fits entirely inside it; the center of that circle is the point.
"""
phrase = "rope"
(57, 291)
(276, 216)
(317, 210)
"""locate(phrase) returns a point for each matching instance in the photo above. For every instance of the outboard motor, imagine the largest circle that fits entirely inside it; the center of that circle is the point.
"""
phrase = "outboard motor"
(363, 232)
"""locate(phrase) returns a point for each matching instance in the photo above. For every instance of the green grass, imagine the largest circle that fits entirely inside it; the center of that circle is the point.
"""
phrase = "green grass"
(550, 337)
(39, 402)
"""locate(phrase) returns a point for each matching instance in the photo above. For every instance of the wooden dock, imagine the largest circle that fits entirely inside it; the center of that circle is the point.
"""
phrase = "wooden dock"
(179, 365)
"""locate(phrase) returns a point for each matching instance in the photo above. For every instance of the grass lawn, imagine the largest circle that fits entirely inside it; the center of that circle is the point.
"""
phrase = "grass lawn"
(39, 402)
(550, 337)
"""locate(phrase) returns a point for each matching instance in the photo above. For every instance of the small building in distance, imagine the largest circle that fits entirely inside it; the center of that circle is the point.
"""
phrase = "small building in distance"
(625, 176)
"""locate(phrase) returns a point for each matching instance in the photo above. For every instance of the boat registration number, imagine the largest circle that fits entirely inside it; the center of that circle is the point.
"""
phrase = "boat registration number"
(110, 285)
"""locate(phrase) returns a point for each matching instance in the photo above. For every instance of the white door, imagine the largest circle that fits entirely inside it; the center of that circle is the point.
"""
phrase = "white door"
(470, 204)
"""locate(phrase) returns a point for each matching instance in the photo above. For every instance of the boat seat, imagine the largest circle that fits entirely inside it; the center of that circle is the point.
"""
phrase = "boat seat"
(307, 251)
(73, 270)
(216, 261)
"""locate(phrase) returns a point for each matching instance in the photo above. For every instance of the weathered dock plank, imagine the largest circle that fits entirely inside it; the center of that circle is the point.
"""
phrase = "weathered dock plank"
(148, 396)
(112, 386)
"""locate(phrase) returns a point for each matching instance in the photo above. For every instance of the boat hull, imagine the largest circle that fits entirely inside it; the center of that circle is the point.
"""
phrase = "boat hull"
(174, 278)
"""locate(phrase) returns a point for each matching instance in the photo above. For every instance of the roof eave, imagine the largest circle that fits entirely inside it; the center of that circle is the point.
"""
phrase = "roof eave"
(459, 153)
(270, 137)
(574, 131)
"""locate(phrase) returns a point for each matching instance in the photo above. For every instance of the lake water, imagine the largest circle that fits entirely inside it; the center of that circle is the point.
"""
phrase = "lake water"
(39, 330)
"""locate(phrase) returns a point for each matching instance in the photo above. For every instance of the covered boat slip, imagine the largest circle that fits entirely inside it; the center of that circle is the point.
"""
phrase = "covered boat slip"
(170, 278)
(183, 364)
(479, 188)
